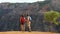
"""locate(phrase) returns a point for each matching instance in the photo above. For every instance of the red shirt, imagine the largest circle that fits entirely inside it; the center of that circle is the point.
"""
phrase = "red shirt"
(22, 19)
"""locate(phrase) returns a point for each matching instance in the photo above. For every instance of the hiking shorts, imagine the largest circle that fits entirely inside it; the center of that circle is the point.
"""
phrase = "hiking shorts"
(22, 23)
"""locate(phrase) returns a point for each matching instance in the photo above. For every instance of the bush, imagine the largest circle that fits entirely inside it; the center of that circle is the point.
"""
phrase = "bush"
(51, 16)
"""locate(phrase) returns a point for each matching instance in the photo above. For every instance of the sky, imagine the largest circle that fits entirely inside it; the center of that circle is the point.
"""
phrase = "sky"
(20, 1)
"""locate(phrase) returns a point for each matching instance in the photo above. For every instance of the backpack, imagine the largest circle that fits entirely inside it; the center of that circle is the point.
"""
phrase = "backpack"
(22, 19)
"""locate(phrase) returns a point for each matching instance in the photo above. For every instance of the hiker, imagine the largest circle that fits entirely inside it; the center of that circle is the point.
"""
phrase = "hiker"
(29, 22)
(22, 20)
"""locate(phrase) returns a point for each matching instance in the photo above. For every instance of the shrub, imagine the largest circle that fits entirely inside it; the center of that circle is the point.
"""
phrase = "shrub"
(52, 16)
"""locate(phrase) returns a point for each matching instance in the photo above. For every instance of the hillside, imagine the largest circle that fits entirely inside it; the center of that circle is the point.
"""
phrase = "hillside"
(11, 12)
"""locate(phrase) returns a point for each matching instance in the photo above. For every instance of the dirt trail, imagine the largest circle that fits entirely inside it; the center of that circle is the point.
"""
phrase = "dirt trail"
(19, 32)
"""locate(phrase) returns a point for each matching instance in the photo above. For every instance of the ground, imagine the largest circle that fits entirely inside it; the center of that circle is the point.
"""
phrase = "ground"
(19, 32)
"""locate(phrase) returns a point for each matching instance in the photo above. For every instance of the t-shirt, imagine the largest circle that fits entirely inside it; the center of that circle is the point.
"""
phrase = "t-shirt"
(29, 18)
(22, 19)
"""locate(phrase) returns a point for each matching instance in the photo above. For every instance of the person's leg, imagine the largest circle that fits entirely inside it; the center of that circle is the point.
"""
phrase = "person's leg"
(29, 26)
(22, 28)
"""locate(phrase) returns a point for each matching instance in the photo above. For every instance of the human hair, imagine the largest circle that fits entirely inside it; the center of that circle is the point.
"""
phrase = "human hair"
(22, 15)
(27, 14)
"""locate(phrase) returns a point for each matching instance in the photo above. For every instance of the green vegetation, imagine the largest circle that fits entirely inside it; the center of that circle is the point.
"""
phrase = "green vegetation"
(52, 16)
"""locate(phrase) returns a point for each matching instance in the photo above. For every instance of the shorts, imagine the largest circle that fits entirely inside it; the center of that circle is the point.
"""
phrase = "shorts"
(22, 23)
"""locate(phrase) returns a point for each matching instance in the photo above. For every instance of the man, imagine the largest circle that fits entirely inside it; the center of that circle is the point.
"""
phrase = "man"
(22, 20)
(29, 22)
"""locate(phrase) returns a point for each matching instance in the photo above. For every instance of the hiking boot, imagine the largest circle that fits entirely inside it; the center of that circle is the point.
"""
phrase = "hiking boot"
(29, 31)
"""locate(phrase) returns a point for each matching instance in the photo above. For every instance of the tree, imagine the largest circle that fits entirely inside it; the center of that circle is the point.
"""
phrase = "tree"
(51, 16)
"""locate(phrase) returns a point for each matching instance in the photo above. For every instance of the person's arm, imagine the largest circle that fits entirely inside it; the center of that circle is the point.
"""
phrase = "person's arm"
(25, 18)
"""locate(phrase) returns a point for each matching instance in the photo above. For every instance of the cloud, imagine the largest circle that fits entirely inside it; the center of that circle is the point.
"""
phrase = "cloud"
(20, 1)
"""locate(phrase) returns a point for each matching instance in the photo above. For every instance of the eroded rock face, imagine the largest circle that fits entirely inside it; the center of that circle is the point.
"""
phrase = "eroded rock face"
(56, 4)
(58, 20)
(11, 12)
